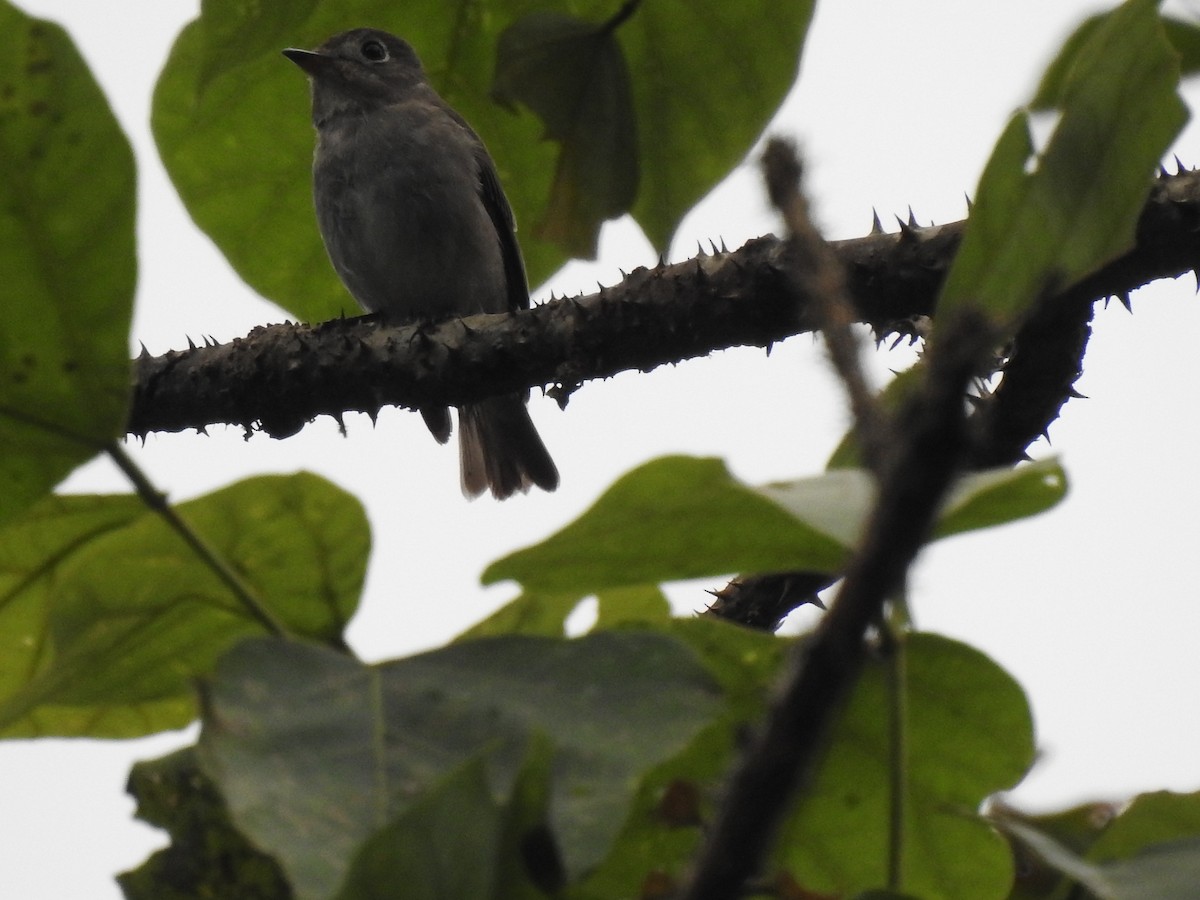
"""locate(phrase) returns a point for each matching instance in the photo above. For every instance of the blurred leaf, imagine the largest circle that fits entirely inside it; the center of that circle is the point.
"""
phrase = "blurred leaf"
(1166, 871)
(997, 496)
(1040, 223)
(1150, 819)
(747, 664)
(443, 847)
(969, 734)
(1184, 37)
(124, 617)
(572, 75)
(678, 517)
(67, 261)
(640, 604)
(231, 118)
(531, 613)
(1151, 851)
(670, 519)
(207, 856)
(1074, 829)
(315, 751)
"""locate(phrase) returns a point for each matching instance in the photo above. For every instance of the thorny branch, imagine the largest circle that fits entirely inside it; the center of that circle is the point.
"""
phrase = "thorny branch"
(279, 377)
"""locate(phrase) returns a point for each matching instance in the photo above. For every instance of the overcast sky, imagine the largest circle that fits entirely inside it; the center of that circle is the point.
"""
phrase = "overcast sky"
(1092, 606)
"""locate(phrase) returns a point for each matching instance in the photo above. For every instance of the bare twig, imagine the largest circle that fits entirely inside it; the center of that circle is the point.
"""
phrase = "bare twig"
(820, 273)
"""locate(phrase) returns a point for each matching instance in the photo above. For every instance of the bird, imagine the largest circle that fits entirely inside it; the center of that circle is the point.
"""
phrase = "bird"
(415, 222)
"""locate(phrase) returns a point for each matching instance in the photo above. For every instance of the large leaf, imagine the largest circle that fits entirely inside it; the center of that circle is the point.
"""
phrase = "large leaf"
(118, 617)
(316, 752)
(443, 847)
(573, 75)
(232, 124)
(1184, 37)
(678, 517)
(670, 519)
(969, 734)
(66, 261)
(1041, 222)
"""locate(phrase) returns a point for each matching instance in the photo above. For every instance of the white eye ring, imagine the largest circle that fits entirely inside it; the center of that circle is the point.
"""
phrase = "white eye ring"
(374, 51)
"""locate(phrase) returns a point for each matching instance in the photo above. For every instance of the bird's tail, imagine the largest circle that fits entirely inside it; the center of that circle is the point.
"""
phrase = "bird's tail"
(499, 449)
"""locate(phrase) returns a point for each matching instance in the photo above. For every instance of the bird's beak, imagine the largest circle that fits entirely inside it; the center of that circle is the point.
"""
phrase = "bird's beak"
(309, 60)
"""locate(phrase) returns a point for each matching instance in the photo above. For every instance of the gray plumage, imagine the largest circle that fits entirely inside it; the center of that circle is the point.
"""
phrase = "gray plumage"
(418, 228)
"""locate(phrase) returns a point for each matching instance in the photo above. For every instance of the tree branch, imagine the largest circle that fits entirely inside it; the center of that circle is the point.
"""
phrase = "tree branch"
(279, 377)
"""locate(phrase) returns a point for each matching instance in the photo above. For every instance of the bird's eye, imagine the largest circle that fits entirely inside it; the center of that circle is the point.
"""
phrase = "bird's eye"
(374, 51)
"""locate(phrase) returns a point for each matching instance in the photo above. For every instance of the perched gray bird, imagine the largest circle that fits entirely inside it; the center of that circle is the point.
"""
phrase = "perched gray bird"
(418, 228)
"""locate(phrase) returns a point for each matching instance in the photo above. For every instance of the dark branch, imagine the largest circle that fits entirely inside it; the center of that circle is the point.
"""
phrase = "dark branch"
(279, 377)
(930, 446)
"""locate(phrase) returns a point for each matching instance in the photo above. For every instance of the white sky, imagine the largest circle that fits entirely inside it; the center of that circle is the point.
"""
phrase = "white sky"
(1092, 607)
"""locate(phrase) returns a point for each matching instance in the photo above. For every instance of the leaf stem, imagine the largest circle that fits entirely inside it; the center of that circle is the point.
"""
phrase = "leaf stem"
(157, 501)
(895, 631)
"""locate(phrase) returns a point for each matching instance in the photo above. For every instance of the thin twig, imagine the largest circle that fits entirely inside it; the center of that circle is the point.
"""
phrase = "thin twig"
(825, 283)
(157, 502)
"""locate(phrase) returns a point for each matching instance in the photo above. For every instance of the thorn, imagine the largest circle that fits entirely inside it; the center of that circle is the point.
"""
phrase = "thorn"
(144, 352)
(341, 423)
(201, 430)
(1075, 395)
(601, 288)
(876, 225)
(769, 347)
(624, 274)
(662, 260)
(907, 232)
(724, 249)
(1162, 171)
(912, 219)
(191, 343)
(699, 249)
(1196, 275)
(1124, 298)
(1046, 434)
(897, 342)
(713, 247)
(970, 202)
(1179, 165)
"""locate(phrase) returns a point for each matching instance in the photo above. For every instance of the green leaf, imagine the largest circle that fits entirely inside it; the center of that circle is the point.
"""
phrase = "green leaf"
(657, 838)
(678, 518)
(443, 847)
(1151, 851)
(124, 617)
(1166, 871)
(315, 751)
(670, 519)
(572, 74)
(67, 261)
(207, 856)
(1184, 37)
(969, 734)
(1150, 819)
(231, 119)
(1034, 233)
(1001, 495)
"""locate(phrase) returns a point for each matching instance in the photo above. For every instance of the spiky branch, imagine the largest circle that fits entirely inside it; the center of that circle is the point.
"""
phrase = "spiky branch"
(279, 377)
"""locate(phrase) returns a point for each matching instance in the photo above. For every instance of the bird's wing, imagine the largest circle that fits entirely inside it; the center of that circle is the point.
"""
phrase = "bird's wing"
(501, 215)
